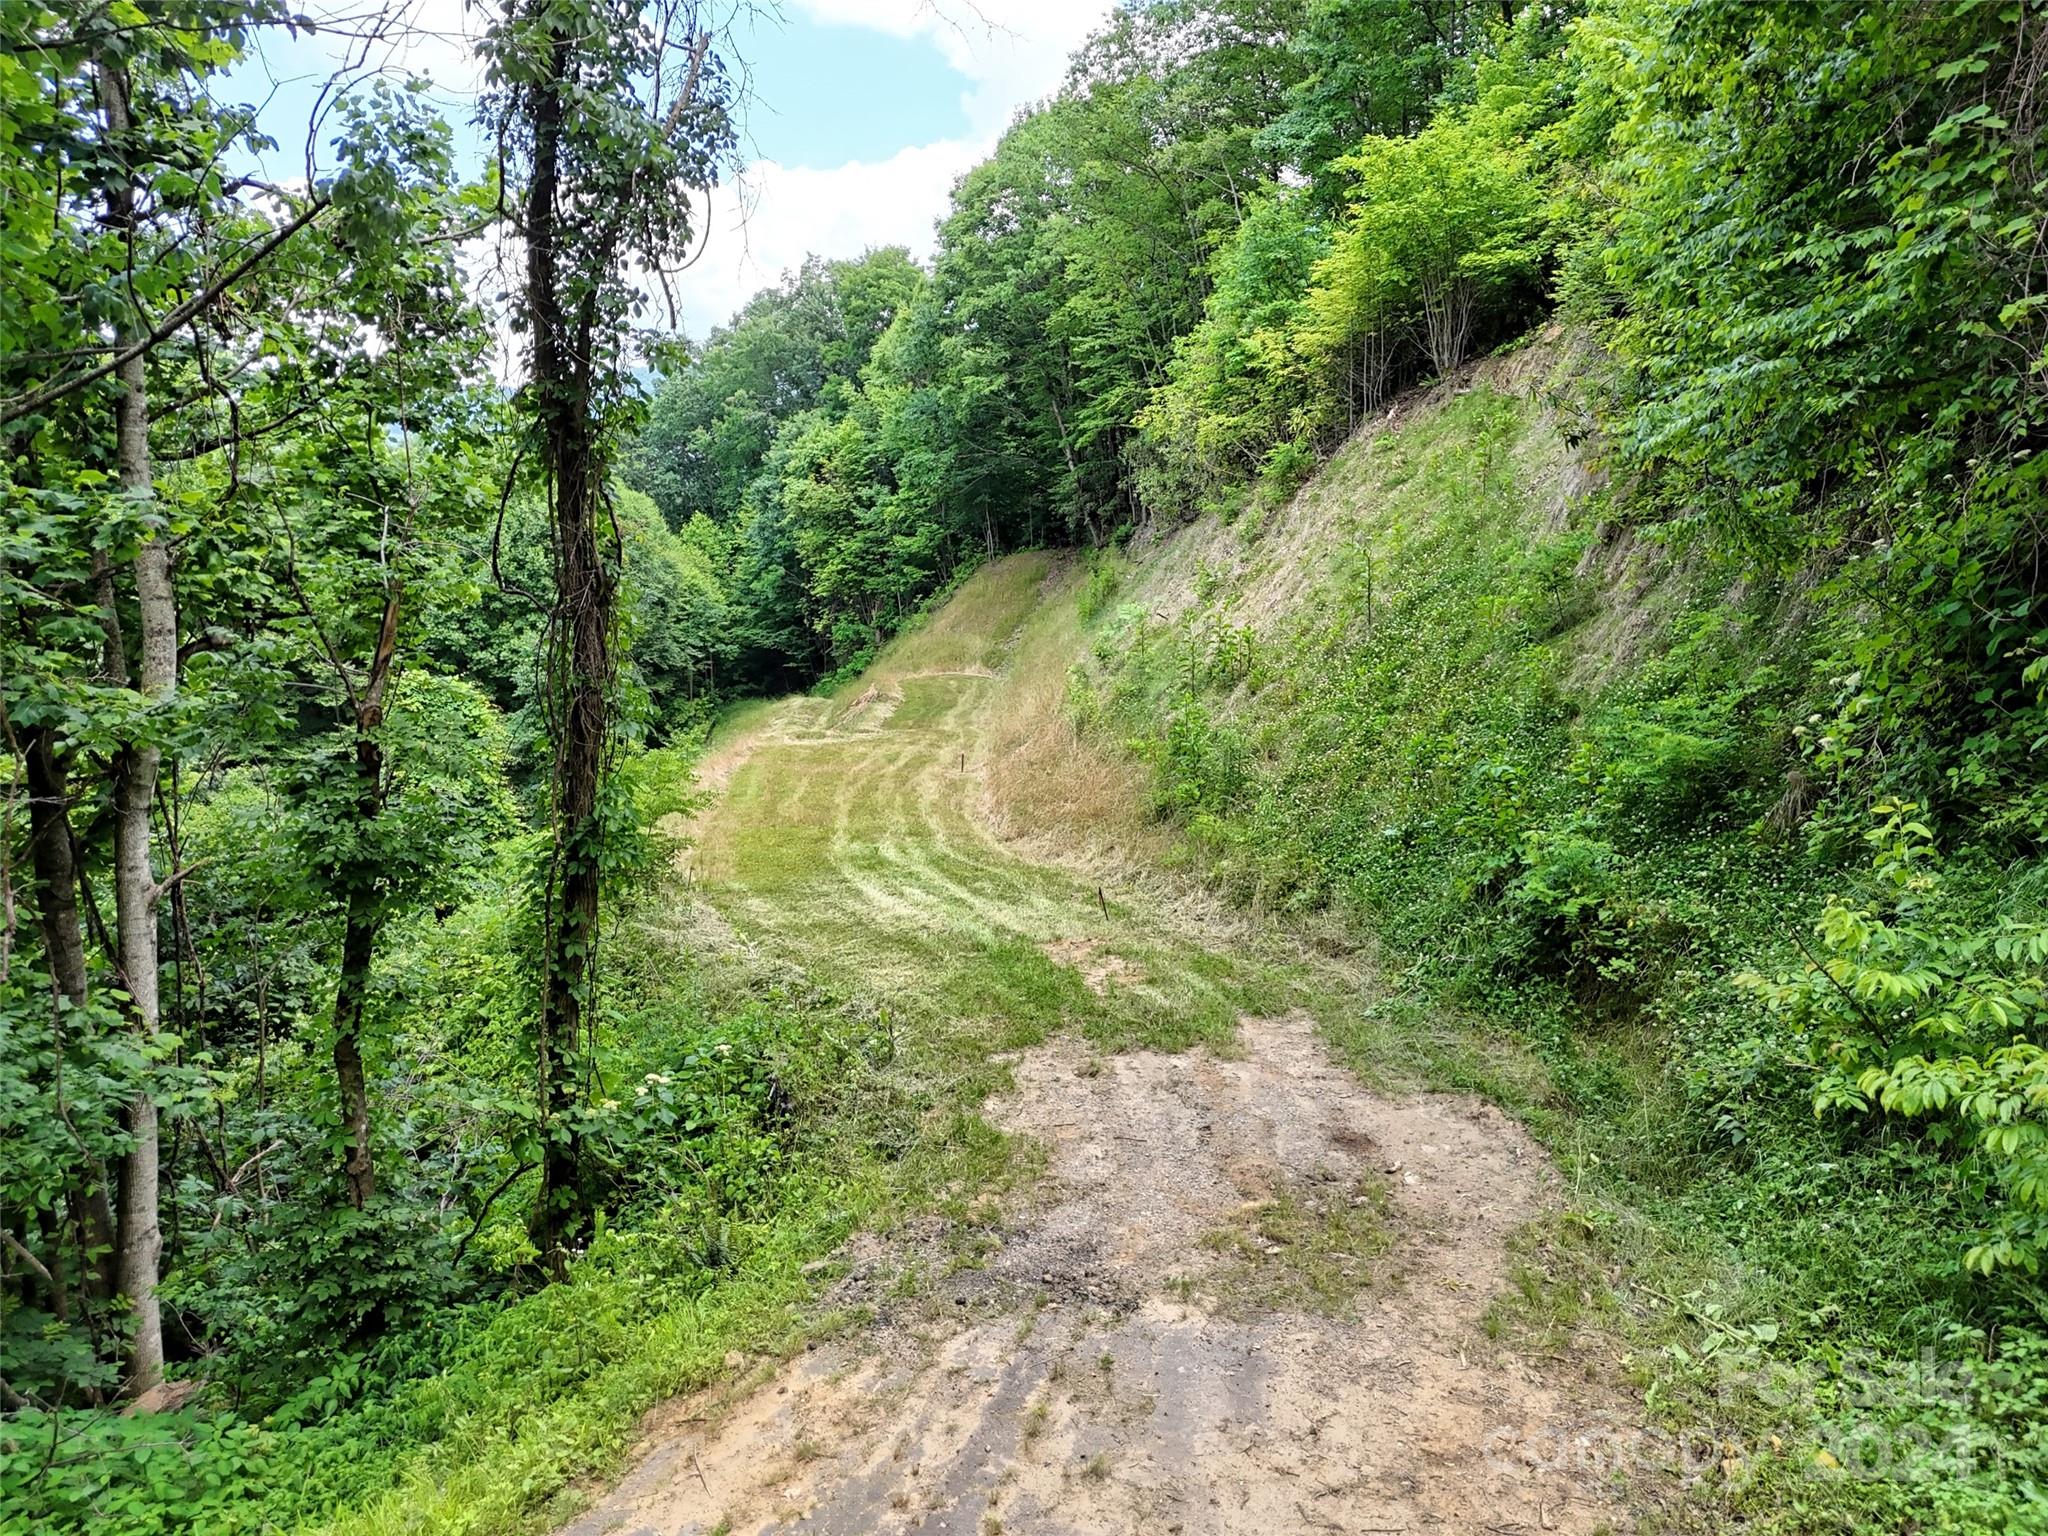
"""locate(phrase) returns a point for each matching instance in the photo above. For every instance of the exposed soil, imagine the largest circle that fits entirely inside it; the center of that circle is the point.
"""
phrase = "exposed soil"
(1100, 969)
(1084, 1378)
(1247, 1296)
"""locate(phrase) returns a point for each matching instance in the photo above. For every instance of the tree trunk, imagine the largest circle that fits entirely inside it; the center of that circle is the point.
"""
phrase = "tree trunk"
(362, 921)
(581, 668)
(138, 1241)
(1447, 319)
(358, 942)
(56, 877)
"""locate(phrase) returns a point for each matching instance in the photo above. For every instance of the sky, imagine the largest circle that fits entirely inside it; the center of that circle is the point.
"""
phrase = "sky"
(857, 117)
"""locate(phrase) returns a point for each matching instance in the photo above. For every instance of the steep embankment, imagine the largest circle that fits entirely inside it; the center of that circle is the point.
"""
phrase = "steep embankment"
(1451, 702)
(1243, 1292)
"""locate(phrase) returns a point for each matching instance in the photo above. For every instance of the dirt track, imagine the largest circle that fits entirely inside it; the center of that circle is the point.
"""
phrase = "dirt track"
(1248, 1295)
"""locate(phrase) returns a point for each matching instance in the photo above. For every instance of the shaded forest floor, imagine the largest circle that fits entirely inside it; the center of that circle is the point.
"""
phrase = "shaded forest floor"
(1224, 1285)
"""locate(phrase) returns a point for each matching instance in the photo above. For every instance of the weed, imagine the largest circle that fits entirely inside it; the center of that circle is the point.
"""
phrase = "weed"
(1035, 1418)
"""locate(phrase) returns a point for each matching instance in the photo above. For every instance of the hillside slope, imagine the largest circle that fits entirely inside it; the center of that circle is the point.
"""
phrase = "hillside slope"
(1447, 704)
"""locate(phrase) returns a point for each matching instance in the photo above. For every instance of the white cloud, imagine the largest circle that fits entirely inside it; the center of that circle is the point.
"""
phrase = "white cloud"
(766, 224)
(1012, 51)
(1008, 54)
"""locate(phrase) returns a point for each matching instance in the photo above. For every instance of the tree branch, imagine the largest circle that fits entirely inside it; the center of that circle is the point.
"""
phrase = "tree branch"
(484, 1214)
(35, 400)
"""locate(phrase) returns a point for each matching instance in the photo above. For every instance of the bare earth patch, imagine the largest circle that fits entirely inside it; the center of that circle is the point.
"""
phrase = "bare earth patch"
(1087, 1377)
(1098, 968)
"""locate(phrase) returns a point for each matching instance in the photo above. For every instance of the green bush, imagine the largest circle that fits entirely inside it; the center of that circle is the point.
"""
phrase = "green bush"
(162, 1474)
(1101, 587)
(1286, 469)
(1919, 1011)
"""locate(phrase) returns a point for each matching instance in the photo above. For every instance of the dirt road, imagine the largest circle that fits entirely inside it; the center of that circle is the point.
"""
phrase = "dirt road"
(1248, 1295)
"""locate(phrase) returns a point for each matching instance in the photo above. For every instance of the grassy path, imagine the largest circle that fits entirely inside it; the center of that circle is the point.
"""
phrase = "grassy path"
(847, 838)
(1248, 1294)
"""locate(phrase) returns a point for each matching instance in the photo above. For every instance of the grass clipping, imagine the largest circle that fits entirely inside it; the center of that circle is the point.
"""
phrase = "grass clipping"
(1310, 1250)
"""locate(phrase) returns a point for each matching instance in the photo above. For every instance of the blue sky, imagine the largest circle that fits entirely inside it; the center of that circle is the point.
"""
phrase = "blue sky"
(818, 102)
(860, 115)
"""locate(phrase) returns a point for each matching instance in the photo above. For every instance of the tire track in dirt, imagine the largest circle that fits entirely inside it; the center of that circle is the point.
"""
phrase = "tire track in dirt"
(1105, 1371)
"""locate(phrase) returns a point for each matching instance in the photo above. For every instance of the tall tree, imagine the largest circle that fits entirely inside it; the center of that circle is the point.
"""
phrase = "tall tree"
(615, 119)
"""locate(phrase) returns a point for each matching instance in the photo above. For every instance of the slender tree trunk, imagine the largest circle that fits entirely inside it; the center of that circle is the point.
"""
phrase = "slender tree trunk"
(351, 994)
(359, 939)
(1374, 353)
(1447, 317)
(139, 1241)
(49, 803)
(362, 921)
(54, 1273)
(56, 877)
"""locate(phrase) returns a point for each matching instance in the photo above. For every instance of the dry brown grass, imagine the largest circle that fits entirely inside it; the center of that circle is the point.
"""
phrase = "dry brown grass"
(1046, 787)
(1265, 572)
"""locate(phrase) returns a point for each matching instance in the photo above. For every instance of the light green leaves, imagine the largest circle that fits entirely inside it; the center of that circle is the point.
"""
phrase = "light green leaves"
(1922, 1015)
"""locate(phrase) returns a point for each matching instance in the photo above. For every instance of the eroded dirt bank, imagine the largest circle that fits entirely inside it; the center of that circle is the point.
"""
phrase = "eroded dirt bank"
(1134, 1356)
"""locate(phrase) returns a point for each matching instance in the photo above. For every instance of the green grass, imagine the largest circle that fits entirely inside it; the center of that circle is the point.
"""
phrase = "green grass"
(508, 1460)
(1313, 1250)
(855, 848)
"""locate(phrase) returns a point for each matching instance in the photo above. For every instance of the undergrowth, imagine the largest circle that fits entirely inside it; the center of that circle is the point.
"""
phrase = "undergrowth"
(1557, 776)
(781, 1117)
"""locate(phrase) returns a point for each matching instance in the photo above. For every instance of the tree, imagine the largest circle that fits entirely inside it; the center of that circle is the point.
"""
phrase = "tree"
(370, 501)
(123, 167)
(1440, 224)
(791, 347)
(1239, 383)
(143, 262)
(614, 121)
(1372, 68)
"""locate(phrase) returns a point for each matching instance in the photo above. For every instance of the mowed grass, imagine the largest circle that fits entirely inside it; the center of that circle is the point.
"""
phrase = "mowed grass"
(850, 843)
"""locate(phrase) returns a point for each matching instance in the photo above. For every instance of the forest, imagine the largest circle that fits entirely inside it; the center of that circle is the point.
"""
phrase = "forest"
(379, 1135)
